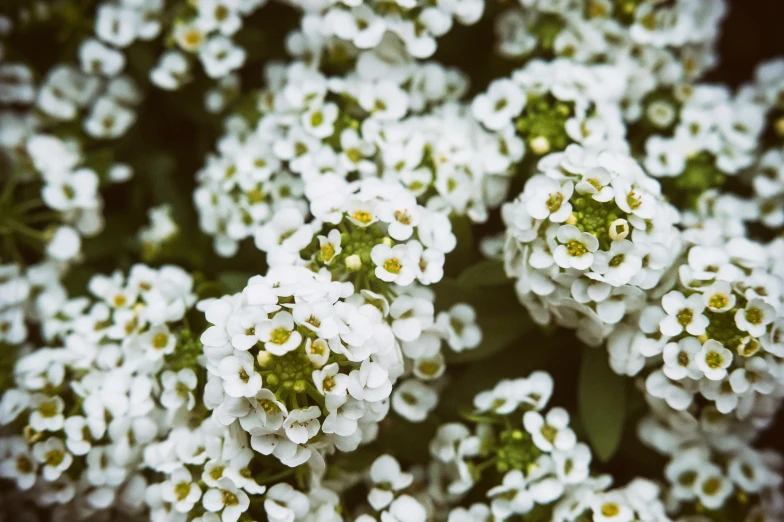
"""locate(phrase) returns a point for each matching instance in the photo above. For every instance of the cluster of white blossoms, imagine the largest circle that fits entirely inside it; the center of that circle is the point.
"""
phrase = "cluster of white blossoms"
(546, 106)
(619, 195)
(656, 44)
(700, 135)
(202, 30)
(81, 412)
(713, 466)
(714, 333)
(539, 467)
(586, 240)
(311, 134)
(302, 361)
(29, 295)
(416, 24)
(42, 150)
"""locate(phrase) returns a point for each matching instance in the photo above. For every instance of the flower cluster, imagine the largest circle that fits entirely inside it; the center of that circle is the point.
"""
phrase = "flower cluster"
(700, 135)
(315, 132)
(541, 469)
(82, 412)
(713, 467)
(415, 24)
(658, 45)
(300, 360)
(545, 106)
(46, 154)
(586, 239)
(713, 332)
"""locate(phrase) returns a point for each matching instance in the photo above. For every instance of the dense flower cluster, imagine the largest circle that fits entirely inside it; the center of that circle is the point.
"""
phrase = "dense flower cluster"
(713, 466)
(658, 44)
(538, 464)
(300, 360)
(373, 241)
(309, 132)
(586, 239)
(82, 411)
(546, 106)
(713, 332)
(365, 25)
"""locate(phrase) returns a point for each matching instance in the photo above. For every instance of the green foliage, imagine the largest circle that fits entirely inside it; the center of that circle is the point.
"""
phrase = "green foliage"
(601, 402)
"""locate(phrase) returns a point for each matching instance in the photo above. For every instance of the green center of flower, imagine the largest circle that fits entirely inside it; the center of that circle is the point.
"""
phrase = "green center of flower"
(576, 249)
(685, 316)
(280, 335)
(714, 360)
(392, 265)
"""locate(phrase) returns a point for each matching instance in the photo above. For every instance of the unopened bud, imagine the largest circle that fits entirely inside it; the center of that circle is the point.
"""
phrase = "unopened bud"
(353, 262)
(540, 145)
(619, 229)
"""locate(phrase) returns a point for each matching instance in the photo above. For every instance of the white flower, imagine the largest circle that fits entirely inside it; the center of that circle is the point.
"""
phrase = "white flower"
(387, 478)
(178, 389)
(573, 466)
(550, 432)
(393, 264)
(576, 248)
(718, 297)
(285, 504)
(97, 58)
(329, 246)
(414, 400)
(683, 313)
(713, 359)
(611, 507)
(459, 327)
(404, 508)
(755, 317)
(228, 499)
(680, 359)
(239, 375)
(503, 101)
(619, 265)
(712, 487)
(301, 425)
(547, 198)
(55, 459)
(47, 413)
(279, 334)
(220, 56)
(180, 490)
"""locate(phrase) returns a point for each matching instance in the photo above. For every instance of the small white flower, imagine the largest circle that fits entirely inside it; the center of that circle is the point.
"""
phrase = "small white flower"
(178, 389)
(713, 359)
(180, 490)
(279, 334)
(303, 424)
(459, 327)
(683, 314)
(712, 487)
(718, 297)
(575, 249)
(387, 478)
(393, 264)
(239, 375)
(680, 359)
(755, 317)
(230, 501)
(55, 459)
(550, 432)
(285, 504)
(414, 400)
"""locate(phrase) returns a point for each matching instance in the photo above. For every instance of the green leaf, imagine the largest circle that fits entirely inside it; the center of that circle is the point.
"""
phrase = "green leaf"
(601, 402)
(484, 273)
